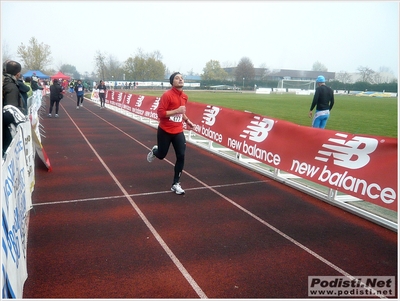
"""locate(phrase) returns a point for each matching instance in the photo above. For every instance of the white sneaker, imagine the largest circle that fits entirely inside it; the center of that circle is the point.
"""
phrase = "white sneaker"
(50, 115)
(177, 188)
(151, 156)
(81, 105)
(56, 115)
(77, 107)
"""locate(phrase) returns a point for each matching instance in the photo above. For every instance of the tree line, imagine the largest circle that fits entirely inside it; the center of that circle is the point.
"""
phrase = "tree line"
(149, 67)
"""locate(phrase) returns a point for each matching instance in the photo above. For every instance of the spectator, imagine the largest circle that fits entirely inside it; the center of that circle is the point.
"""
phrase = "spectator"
(24, 90)
(71, 86)
(55, 96)
(12, 100)
(30, 92)
(35, 83)
(64, 84)
(28, 80)
(11, 93)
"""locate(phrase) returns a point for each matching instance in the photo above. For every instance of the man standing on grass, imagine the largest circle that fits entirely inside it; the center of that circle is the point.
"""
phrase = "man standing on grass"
(324, 100)
(172, 112)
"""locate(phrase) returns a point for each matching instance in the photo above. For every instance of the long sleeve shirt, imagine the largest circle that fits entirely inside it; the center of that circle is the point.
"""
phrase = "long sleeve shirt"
(323, 99)
(79, 90)
(171, 100)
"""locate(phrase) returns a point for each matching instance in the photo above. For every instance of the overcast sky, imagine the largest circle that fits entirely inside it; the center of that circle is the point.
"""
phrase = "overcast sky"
(275, 34)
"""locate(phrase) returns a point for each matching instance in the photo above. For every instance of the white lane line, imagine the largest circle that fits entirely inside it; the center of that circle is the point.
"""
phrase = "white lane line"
(292, 240)
(145, 193)
(174, 259)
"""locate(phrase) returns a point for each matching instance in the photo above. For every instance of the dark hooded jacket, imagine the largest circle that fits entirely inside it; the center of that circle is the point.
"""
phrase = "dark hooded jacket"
(11, 93)
(56, 91)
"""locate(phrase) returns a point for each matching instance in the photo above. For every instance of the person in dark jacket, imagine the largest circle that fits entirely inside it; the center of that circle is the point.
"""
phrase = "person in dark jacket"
(102, 93)
(12, 100)
(323, 100)
(35, 83)
(55, 96)
(11, 93)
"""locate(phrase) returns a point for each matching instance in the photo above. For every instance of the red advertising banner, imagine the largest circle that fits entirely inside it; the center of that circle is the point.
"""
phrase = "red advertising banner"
(359, 165)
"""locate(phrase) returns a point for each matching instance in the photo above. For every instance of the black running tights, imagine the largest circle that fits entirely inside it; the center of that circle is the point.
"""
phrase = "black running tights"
(178, 141)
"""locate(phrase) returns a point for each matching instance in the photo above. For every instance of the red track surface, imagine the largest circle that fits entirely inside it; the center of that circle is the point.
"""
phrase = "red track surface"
(106, 225)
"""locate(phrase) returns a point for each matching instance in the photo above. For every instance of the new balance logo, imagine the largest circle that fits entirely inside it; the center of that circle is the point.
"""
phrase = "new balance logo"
(119, 97)
(128, 98)
(258, 129)
(353, 153)
(155, 104)
(210, 114)
(139, 101)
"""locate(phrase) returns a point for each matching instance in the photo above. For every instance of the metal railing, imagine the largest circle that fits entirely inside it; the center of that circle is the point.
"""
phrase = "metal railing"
(374, 213)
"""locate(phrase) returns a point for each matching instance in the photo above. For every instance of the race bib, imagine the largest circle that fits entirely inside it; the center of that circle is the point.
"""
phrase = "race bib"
(80, 89)
(101, 91)
(176, 118)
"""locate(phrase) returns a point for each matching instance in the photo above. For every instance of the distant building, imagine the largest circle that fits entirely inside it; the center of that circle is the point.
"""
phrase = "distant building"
(259, 73)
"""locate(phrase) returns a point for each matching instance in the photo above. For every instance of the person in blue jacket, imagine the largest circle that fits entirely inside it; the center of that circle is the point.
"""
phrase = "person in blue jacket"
(80, 90)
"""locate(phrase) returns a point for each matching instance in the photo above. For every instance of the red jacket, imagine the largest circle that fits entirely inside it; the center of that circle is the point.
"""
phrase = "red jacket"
(171, 100)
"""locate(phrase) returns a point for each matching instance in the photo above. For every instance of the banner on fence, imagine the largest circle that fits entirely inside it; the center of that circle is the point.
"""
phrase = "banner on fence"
(18, 182)
(362, 166)
(34, 110)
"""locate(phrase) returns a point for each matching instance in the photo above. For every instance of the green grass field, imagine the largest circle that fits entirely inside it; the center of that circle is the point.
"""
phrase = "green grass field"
(351, 114)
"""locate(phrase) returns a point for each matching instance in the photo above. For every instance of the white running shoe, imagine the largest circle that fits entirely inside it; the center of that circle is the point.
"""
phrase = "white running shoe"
(151, 156)
(177, 188)
(56, 115)
(81, 105)
(50, 115)
(77, 107)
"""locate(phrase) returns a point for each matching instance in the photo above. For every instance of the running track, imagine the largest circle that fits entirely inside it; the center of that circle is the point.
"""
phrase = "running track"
(106, 225)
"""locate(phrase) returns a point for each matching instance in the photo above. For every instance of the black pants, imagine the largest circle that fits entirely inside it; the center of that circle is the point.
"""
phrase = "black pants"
(80, 99)
(178, 141)
(102, 99)
(52, 102)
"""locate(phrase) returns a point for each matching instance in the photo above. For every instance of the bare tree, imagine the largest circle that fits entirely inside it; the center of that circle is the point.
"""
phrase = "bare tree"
(100, 64)
(244, 70)
(114, 68)
(343, 77)
(35, 56)
(366, 74)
